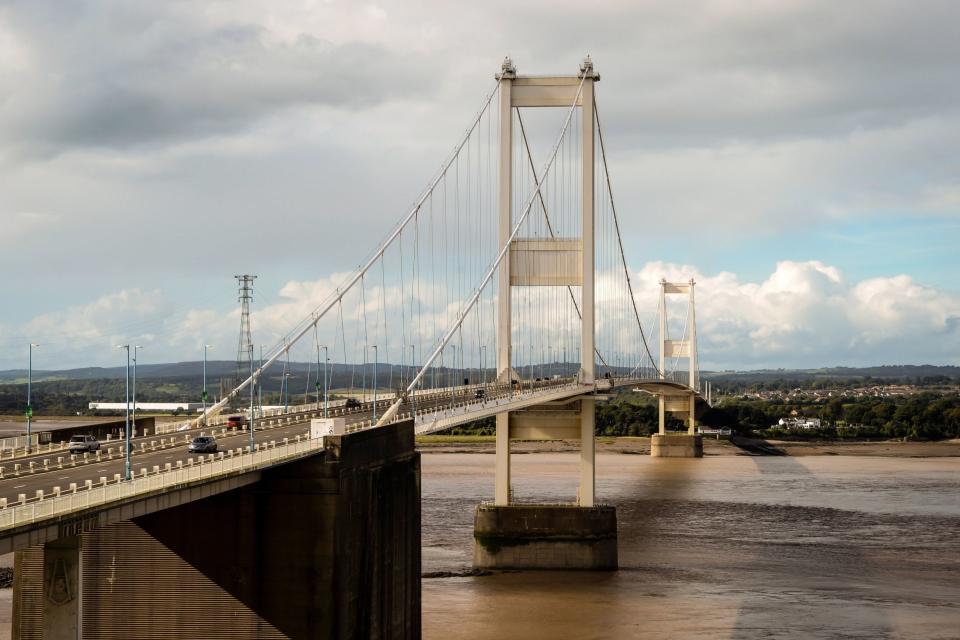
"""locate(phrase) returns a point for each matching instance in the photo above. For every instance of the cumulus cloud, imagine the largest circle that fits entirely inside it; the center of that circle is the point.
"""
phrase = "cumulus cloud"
(806, 314)
(803, 314)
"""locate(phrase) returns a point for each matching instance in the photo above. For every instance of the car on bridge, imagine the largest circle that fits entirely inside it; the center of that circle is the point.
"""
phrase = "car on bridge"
(203, 444)
(236, 422)
(352, 403)
(82, 444)
(479, 394)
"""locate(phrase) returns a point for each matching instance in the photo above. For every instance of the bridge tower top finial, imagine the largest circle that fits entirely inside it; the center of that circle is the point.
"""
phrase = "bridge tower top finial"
(586, 67)
(507, 69)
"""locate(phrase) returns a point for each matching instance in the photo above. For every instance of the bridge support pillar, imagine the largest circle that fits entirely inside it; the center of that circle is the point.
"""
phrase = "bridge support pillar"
(587, 457)
(533, 536)
(325, 546)
(502, 477)
(46, 591)
(676, 445)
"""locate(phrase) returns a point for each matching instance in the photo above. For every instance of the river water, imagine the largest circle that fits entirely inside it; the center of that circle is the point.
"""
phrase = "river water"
(734, 547)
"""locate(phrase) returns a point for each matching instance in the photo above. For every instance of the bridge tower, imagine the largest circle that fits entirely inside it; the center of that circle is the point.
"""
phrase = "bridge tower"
(535, 536)
(546, 262)
(678, 402)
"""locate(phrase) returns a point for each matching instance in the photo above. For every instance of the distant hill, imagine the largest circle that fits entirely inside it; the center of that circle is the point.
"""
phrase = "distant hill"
(900, 372)
(226, 368)
(178, 370)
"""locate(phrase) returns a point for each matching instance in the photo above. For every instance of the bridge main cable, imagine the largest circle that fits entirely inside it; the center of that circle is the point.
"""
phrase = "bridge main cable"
(318, 314)
(504, 250)
(623, 257)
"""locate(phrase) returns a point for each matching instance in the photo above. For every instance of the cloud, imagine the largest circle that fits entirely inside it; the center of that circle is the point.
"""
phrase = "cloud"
(134, 74)
(166, 146)
(805, 314)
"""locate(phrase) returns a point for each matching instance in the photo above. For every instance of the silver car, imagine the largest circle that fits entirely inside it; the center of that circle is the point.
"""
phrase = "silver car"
(203, 444)
(80, 444)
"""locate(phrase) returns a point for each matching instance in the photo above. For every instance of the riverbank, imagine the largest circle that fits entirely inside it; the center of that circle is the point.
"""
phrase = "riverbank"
(711, 447)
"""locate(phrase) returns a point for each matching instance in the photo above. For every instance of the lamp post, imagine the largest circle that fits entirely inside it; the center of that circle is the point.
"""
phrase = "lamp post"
(29, 394)
(260, 385)
(374, 347)
(326, 381)
(531, 368)
(203, 395)
(126, 431)
(413, 372)
(483, 364)
(134, 393)
(451, 379)
(253, 394)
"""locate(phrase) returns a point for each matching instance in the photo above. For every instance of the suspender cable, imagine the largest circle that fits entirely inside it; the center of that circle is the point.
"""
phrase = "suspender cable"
(325, 307)
(504, 250)
(626, 270)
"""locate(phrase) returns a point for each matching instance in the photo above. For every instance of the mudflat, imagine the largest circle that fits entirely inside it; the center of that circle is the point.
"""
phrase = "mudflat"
(711, 447)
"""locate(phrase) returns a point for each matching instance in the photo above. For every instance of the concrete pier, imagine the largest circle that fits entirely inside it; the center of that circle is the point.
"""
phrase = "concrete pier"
(545, 537)
(324, 547)
(676, 445)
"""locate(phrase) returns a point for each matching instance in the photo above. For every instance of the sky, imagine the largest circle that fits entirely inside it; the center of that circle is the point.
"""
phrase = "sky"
(801, 160)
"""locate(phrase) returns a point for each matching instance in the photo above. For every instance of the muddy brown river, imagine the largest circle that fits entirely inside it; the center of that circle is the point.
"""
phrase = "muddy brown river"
(736, 547)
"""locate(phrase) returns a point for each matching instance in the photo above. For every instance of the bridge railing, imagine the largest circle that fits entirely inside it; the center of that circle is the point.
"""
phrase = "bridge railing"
(106, 491)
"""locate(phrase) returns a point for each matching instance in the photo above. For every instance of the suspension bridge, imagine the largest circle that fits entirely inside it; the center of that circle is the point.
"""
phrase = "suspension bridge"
(509, 270)
(503, 292)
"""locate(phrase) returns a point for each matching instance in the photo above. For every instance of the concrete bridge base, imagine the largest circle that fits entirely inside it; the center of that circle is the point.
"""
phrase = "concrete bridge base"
(324, 547)
(545, 537)
(676, 445)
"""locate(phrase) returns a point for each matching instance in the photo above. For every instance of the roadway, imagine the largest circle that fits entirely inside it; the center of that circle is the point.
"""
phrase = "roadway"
(28, 483)
(79, 471)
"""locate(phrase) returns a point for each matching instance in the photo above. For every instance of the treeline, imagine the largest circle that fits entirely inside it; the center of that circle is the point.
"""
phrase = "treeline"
(630, 414)
(746, 384)
(67, 397)
(922, 417)
(925, 416)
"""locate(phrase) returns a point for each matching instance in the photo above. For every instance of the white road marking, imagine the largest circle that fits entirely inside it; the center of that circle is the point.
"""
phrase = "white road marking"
(19, 486)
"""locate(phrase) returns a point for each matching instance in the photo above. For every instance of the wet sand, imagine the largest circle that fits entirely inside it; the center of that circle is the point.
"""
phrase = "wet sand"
(742, 547)
(711, 446)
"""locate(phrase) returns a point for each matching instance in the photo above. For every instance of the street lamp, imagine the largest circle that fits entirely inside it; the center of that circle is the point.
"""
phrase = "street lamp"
(541, 362)
(326, 383)
(413, 372)
(451, 379)
(253, 383)
(29, 405)
(374, 347)
(483, 364)
(135, 347)
(126, 431)
(285, 387)
(260, 385)
(204, 394)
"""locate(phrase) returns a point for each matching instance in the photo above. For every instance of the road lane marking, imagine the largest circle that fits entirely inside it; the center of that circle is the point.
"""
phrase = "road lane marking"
(19, 486)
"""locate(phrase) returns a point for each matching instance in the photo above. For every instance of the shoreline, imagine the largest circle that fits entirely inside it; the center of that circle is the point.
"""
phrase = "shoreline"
(711, 447)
